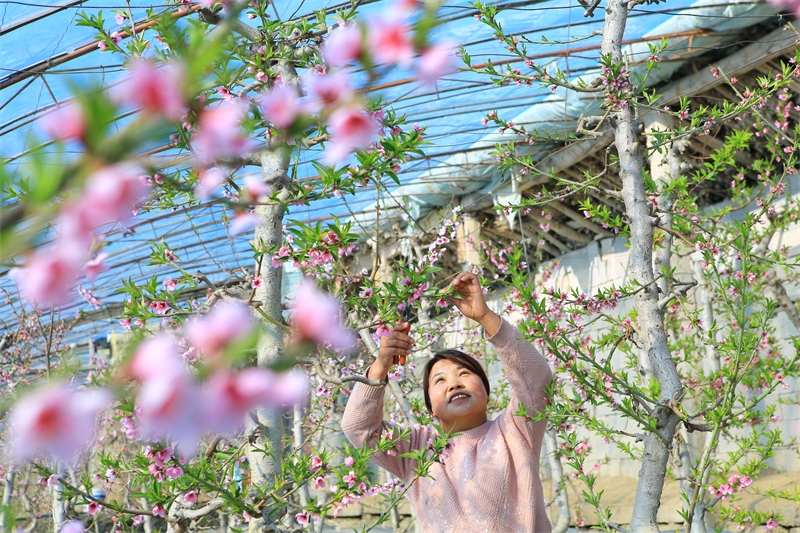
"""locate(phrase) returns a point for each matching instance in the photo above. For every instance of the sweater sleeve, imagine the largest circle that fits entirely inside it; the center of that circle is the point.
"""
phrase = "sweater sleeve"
(529, 375)
(362, 423)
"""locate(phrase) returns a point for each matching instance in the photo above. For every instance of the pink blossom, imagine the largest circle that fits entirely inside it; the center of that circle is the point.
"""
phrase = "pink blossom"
(316, 463)
(226, 323)
(232, 395)
(109, 194)
(159, 307)
(170, 284)
(302, 519)
(441, 302)
(350, 128)
(792, 5)
(73, 526)
(391, 41)
(343, 46)
(257, 282)
(57, 420)
(93, 508)
(406, 6)
(157, 91)
(159, 511)
(221, 134)
(174, 472)
(319, 482)
(350, 479)
(95, 267)
(254, 188)
(435, 62)
(154, 357)
(207, 181)
(47, 278)
(383, 330)
(171, 404)
(281, 106)
(243, 222)
(329, 90)
(316, 317)
(190, 497)
(349, 461)
(67, 122)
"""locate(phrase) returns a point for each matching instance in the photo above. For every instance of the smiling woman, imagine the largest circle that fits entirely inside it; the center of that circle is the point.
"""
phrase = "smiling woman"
(489, 482)
(456, 390)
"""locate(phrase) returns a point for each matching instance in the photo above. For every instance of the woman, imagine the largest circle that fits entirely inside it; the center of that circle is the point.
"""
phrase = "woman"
(490, 480)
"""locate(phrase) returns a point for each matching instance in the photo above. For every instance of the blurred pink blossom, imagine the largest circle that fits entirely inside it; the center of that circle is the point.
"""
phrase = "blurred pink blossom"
(67, 122)
(350, 128)
(109, 195)
(93, 508)
(47, 278)
(330, 89)
(390, 41)
(207, 181)
(221, 134)
(157, 91)
(254, 188)
(226, 323)
(316, 317)
(243, 222)
(174, 472)
(791, 5)
(230, 395)
(155, 357)
(435, 62)
(281, 106)
(73, 526)
(343, 46)
(95, 267)
(57, 420)
(171, 405)
(190, 497)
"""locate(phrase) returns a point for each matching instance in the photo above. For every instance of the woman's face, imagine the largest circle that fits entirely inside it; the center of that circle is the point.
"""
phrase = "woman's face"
(458, 397)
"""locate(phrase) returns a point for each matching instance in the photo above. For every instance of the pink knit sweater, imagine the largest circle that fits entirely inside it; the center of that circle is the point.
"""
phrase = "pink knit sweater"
(490, 481)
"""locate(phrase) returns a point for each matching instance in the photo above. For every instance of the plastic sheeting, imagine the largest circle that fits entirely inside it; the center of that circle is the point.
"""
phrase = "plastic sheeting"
(474, 170)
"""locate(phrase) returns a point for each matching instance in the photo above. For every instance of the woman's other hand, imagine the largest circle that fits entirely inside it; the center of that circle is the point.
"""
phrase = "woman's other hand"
(395, 349)
(472, 303)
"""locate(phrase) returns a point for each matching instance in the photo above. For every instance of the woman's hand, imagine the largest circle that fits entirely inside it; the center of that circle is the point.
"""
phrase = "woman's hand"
(472, 303)
(395, 349)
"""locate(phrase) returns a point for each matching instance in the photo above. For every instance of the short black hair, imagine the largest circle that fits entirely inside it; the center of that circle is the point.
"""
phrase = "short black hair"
(459, 358)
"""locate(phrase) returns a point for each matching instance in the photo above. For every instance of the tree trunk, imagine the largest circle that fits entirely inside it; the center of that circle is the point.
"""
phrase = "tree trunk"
(651, 317)
(683, 471)
(557, 474)
(264, 428)
(8, 489)
(59, 503)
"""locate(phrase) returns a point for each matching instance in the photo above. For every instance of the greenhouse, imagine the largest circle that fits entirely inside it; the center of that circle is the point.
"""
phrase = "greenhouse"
(400, 265)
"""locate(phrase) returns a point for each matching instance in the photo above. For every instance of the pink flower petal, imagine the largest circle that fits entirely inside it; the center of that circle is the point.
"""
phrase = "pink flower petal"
(157, 91)
(343, 46)
(316, 317)
(226, 323)
(57, 420)
(281, 106)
